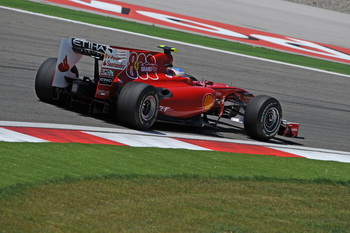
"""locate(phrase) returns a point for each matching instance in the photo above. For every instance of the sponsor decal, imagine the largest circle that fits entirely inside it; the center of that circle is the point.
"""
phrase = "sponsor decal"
(163, 108)
(106, 81)
(115, 59)
(67, 59)
(148, 69)
(102, 92)
(85, 47)
(143, 66)
(64, 66)
(136, 65)
(84, 44)
(107, 72)
(208, 101)
(247, 97)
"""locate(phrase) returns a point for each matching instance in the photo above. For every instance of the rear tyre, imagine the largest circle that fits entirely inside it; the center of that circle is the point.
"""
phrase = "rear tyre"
(262, 117)
(44, 78)
(43, 81)
(138, 105)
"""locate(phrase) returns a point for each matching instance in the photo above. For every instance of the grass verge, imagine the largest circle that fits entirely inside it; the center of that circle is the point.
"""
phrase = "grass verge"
(33, 162)
(176, 35)
(177, 204)
(53, 187)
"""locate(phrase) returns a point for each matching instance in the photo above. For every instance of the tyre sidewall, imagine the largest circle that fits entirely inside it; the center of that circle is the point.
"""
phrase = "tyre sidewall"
(272, 103)
(143, 123)
(254, 118)
(130, 101)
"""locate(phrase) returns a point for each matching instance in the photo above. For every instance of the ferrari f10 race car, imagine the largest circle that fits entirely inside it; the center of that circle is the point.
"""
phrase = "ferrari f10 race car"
(140, 87)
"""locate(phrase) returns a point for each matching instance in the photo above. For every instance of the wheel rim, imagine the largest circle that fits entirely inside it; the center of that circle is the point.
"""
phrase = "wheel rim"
(271, 120)
(148, 108)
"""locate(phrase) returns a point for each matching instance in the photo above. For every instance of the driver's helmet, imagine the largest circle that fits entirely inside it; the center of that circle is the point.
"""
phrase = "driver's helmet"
(175, 72)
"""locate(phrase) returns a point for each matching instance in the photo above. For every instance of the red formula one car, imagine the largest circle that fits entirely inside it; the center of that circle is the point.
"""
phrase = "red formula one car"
(141, 87)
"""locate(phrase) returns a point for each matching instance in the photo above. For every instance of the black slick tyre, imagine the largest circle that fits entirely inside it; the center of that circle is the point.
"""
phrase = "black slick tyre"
(262, 117)
(43, 81)
(138, 105)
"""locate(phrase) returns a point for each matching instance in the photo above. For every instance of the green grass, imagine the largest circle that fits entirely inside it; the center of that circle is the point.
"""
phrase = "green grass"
(179, 36)
(178, 204)
(53, 187)
(32, 162)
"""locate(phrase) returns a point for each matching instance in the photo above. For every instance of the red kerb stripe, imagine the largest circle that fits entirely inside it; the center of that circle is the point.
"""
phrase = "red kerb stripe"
(238, 148)
(63, 135)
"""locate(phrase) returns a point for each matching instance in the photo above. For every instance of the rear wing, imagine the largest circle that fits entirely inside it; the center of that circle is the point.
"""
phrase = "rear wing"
(84, 47)
(70, 53)
(125, 64)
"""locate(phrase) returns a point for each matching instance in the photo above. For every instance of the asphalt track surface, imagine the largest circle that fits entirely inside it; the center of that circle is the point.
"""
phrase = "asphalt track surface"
(319, 102)
(274, 16)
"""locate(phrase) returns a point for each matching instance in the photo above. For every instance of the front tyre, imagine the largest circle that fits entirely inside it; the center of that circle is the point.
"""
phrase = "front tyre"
(262, 117)
(138, 105)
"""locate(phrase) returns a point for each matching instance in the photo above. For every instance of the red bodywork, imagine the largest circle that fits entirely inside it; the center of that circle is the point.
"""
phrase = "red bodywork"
(188, 98)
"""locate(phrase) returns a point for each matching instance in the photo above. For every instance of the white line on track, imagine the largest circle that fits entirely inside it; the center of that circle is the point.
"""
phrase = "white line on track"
(173, 41)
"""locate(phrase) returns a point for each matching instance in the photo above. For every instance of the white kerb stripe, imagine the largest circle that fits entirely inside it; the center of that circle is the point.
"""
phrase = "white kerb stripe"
(146, 141)
(12, 136)
(319, 155)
